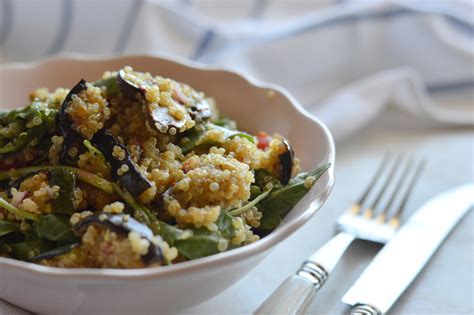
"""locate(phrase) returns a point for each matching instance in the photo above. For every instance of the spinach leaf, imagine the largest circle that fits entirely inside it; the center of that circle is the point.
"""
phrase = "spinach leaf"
(66, 180)
(7, 227)
(190, 243)
(193, 136)
(30, 235)
(54, 227)
(23, 134)
(224, 225)
(263, 177)
(171, 234)
(198, 246)
(16, 144)
(250, 204)
(12, 237)
(229, 134)
(197, 139)
(195, 243)
(27, 250)
(277, 204)
(110, 84)
(255, 191)
(225, 122)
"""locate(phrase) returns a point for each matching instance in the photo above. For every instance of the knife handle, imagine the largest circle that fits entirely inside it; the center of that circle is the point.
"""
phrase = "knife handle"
(364, 309)
(296, 292)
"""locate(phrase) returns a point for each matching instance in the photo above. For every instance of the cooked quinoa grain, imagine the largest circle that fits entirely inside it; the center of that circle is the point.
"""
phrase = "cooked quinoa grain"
(214, 179)
(115, 207)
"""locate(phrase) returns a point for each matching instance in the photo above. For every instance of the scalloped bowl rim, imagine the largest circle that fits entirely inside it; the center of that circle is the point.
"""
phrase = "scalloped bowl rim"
(267, 242)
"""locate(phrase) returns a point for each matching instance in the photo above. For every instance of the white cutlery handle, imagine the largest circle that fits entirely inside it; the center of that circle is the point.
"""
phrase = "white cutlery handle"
(290, 298)
(364, 309)
(296, 292)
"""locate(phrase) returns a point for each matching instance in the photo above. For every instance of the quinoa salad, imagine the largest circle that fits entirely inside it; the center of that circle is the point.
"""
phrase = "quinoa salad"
(136, 170)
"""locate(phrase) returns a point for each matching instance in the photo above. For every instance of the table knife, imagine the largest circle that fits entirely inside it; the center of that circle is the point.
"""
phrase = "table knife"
(400, 261)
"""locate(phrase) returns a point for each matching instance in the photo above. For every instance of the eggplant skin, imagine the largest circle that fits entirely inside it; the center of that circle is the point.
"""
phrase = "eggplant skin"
(55, 252)
(129, 89)
(133, 180)
(162, 120)
(122, 225)
(286, 161)
(71, 137)
(201, 111)
(159, 118)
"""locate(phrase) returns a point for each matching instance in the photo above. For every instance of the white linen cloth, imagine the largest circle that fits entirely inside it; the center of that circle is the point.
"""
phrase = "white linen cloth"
(313, 48)
(345, 61)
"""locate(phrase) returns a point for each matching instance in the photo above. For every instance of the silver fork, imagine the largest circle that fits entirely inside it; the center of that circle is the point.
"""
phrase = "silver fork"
(374, 223)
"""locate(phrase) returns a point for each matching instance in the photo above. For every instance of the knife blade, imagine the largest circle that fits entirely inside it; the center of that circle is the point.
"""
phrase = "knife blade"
(398, 263)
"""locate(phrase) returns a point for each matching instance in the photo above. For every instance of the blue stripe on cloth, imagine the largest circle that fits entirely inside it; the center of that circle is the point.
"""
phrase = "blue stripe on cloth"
(358, 17)
(204, 44)
(64, 28)
(381, 15)
(353, 18)
(463, 27)
(6, 22)
(450, 86)
(336, 21)
(128, 26)
(259, 7)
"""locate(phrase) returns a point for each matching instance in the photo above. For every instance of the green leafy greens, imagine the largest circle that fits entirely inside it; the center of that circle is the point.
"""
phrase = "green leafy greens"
(197, 139)
(7, 227)
(27, 127)
(277, 204)
(54, 227)
(194, 243)
(66, 180)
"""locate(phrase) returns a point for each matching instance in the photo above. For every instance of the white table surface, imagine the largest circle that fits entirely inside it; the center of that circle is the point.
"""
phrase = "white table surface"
(446, 286)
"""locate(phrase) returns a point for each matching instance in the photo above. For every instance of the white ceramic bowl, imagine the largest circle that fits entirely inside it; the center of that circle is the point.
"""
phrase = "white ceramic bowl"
(254, 105)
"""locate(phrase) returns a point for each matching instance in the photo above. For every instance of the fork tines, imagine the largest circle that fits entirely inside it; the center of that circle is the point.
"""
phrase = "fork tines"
(393, 182)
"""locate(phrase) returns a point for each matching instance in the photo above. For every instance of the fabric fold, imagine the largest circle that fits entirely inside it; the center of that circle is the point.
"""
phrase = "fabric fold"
(358, 104)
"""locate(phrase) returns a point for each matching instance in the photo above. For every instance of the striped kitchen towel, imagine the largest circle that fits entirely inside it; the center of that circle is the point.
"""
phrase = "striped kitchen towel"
(414, 54)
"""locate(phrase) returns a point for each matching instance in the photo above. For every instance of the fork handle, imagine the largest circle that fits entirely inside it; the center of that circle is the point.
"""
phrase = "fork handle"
(296, 292)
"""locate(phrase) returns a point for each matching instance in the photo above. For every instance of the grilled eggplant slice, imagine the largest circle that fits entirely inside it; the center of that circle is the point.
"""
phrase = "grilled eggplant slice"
(122, 224)
(72, 139)
(286, 161)
(131, 179)
(159, 118)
